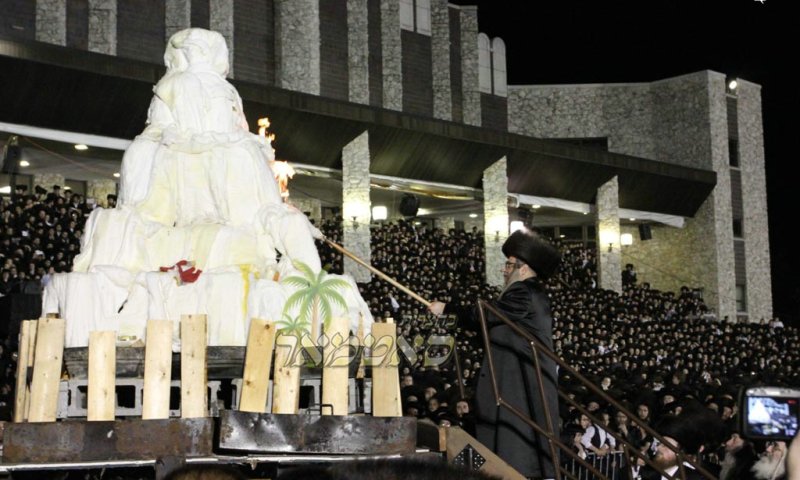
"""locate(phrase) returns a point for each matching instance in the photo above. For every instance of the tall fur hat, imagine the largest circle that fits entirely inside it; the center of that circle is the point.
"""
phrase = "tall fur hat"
(535, 251)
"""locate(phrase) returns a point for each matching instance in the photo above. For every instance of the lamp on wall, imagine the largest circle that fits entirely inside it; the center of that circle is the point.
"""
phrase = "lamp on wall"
(355, 222)
(497, 236)
(626, 239)
(379, 213)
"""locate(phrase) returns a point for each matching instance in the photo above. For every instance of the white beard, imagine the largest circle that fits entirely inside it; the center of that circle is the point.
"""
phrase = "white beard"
(726, 465)
(768, 469)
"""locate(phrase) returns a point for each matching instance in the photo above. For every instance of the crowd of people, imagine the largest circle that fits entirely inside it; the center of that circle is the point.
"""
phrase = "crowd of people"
(655, 352)
(40, 234)
(658, 353)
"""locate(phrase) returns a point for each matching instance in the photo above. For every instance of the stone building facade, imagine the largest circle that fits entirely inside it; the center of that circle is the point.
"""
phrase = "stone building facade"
(427, 58)
(692, 121)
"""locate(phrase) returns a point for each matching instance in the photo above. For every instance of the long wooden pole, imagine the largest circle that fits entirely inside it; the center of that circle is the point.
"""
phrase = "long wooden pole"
(377, 272)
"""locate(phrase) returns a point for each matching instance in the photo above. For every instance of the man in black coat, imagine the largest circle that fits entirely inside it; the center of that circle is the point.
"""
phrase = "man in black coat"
(530, 261)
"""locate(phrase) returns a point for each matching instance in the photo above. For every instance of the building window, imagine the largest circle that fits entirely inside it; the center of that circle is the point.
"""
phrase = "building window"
(492, 77)
(415, 16)
(741, 299)
(738, 230)
(733, 152)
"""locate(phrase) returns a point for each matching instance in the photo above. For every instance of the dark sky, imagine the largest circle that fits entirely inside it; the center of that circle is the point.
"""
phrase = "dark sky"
(570, 41)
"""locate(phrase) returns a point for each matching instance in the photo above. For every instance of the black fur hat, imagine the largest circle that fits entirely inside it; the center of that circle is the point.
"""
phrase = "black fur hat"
(534, 250)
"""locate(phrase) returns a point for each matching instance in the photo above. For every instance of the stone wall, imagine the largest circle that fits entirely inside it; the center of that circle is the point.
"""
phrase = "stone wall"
(103, 26)
(680, 120)
(445, 223)
(495, 213)
(754, 201)
(665, 261)
(100, 189)
(177, 16)
(471, 95)
(358, 51)
(608, 265)
(622, 113)
(297, 50)
(392, 55)
(311, 206)
(221, 20)
(440, 40)
(356, 203)
(51, 21)
(47, 180)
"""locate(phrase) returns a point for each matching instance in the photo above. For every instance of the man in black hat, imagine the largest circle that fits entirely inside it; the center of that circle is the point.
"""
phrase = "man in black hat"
(530, 261)
(687, 433)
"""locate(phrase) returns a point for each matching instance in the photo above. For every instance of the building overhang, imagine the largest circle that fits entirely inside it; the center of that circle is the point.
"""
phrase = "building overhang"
(74, 90)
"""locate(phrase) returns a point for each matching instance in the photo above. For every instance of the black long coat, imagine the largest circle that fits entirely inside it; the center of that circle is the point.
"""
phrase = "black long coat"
(526, 304)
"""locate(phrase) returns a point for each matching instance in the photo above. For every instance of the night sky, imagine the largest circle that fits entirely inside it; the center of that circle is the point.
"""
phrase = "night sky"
(569, 41)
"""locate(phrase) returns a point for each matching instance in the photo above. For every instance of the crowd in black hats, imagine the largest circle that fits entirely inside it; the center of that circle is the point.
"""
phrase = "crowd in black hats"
(660, 353)
(40, 234)
(657, 352)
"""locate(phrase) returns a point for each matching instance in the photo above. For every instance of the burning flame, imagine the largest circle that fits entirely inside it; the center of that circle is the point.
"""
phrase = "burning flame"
(263, 124)
(283, 172)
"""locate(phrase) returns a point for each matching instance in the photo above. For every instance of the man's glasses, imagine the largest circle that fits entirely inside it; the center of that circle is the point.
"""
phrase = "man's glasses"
(512, 265)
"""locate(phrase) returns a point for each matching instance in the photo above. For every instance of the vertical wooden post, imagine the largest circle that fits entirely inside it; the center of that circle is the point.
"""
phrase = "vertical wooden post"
(257, 362)
(286, 377)
(157, 369)
(361, 372)
(47, 370)
(101, 403)
(27, 330)
(385, 376)
(194, 371)
(335, 367)
(34, 329)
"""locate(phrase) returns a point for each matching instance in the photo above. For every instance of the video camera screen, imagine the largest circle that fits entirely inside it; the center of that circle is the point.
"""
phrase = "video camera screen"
(772, 417)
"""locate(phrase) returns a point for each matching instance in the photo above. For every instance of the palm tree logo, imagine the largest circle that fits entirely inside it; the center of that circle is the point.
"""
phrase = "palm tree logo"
(317, 295)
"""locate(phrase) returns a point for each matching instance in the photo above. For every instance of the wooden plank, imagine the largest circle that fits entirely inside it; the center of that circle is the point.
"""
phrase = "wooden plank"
(257, 363)
(286, 379)
(385, 376)
(101, 402)
(194, 366)
(335, 367)
(25, 356)
(31, 354)
(157, 370)
(360, 336)
(47, 369)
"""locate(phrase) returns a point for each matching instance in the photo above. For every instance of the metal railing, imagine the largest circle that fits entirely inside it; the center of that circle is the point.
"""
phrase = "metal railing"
(555, 443)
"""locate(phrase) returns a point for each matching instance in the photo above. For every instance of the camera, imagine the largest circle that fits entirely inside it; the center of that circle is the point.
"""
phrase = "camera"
(770, 413)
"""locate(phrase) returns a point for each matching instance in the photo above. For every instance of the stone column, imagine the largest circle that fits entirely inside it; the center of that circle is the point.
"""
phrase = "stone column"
(440, 45)
(221, 20)
(356, 203)
(177, 16)
(103, 26)
(99, 189)
(495, 214)
(312, 206)
(754, 202)
(47, 180)
(358, 51)
(297, 45)
(719, 230)
(391, 45)
(51, 21)
(609, 257)
(469, 65)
